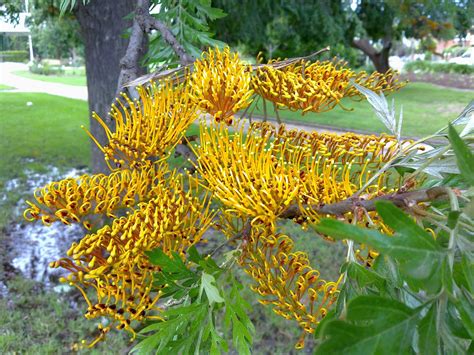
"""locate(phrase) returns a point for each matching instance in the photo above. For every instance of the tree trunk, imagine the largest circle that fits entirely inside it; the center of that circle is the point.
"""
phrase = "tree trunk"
(103, 26)
(379, 59)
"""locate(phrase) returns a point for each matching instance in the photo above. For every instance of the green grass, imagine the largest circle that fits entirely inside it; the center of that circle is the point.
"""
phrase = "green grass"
(48, 131)
(32, 137)
(5, 87)
(426, 108)
(36, 321)
(68, 79)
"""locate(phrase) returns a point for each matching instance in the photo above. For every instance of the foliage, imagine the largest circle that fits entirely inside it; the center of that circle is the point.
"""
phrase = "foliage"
(417, 18)
(417, 297)
(377, 24)
(281, 29)
(56, 37)
(141, 262)
(188, 21)
(420, 66)
(53, 36)
(43, 68)
(203, 301)
(14, 56)
(11, 9)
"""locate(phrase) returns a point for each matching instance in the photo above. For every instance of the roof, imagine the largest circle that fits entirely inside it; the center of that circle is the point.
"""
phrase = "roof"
(13, 28)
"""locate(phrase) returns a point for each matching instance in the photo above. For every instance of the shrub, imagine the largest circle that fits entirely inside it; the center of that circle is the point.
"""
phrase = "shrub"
(14, 56)
(423, 66)
(44, 68)
(149, 269)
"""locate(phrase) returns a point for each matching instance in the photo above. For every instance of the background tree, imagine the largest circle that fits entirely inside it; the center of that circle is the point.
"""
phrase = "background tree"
(55, 36)
(377, 24)
(107, 29)
(285, 28)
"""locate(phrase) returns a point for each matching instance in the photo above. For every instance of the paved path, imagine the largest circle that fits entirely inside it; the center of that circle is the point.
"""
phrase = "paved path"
(7, 77)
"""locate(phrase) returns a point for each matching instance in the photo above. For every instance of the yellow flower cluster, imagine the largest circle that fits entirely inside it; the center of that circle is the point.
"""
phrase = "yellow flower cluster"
(265, 172)
(221, 84)
(248, 173)
(261, 173)
(257, 175)
(113, 261)
(316, 87)
(286, 280)
(147, 128)
(77, 200)
(335, 166)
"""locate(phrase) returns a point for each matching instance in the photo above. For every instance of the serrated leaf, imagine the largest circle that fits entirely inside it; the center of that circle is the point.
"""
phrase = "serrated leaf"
(465, 158)
(418, 255)
(208, 285)
(428, 340)
(374, 325)
(193, 255)
(454, 324)
(240, 336)
(463, 273)
(212, 13)
(453, 217)
(466, 311)
(436, 168)
(364, 277)
(466, 117)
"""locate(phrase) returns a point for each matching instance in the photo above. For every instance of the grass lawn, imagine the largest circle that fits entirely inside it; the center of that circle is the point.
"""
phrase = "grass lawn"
(68, 79)
(5, 87)
(426, 108)
(48, 131)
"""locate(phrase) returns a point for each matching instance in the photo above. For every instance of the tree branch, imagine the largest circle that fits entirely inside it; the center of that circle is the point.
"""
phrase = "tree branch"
(365, 46)
(403, 200)
(144, 23)
(130, 62)
(243, 234)
(149, 23)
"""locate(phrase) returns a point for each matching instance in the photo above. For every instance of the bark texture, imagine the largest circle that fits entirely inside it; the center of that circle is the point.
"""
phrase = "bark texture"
(103, 26)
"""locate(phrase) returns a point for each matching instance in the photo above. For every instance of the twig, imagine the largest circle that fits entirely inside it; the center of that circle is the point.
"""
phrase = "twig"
(149, 23)
(243, 234)
(403, 200)
(264, 110)
(277, 114)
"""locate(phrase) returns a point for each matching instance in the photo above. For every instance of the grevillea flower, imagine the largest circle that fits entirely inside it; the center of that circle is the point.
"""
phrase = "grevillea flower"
(336, 166)
(286, 281)
(260, 173)
(316, 87)
(78, 200)
(149, 127)
(248, 173)
(221, 84)
(256, 175)
(113, 262)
